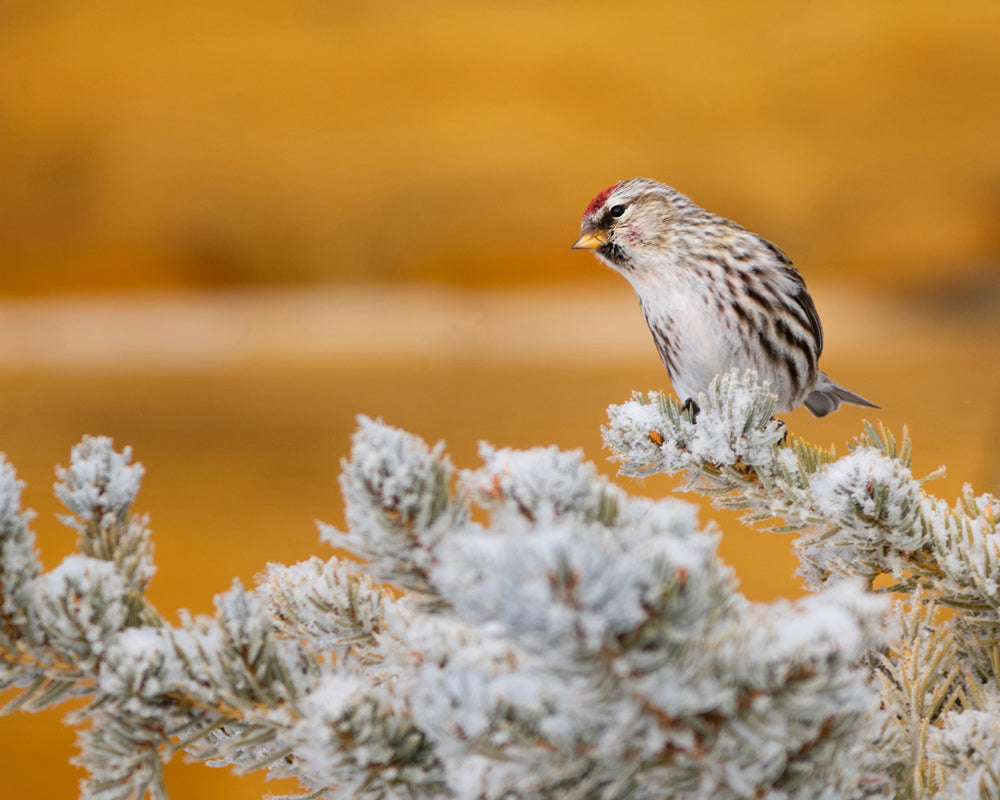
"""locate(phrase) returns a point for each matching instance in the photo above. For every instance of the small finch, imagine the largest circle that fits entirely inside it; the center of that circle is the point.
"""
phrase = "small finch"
(715, 295)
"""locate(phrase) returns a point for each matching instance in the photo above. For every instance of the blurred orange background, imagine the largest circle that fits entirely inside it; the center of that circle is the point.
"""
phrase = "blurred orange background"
(228, 228)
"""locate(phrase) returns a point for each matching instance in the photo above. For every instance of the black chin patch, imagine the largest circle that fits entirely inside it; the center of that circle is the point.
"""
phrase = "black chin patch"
(613, 253)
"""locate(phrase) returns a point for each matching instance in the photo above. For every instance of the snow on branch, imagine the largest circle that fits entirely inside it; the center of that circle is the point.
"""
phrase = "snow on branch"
(568, 641)
(399, 502)
(19, 564)
(862, 516)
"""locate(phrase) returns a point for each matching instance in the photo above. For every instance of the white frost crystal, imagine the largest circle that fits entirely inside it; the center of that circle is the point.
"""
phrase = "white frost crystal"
(565, 641)
(80, 606)
(19, 565)
(100, 484)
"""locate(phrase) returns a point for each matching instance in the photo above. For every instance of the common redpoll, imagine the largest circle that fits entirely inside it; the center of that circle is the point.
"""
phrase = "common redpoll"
(715, 296)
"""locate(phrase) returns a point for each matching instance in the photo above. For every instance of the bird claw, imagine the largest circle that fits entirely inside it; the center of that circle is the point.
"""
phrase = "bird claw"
(691, 408)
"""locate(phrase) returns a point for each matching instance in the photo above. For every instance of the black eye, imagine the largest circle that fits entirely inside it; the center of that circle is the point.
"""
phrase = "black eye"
(617, 211)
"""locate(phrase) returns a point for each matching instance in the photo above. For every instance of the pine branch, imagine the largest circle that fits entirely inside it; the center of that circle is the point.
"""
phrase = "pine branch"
(576, 642)
(860, 516)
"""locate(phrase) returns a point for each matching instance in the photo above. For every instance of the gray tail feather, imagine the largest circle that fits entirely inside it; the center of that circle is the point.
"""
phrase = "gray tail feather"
(827, 397)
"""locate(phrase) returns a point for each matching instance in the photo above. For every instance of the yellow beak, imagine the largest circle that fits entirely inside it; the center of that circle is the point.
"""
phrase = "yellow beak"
(591, 240)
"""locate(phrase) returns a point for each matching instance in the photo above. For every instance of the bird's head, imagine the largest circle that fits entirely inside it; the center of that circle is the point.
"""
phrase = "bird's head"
(632, 225)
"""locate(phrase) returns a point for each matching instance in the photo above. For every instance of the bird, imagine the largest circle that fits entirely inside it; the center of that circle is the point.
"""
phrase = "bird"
(716, 296)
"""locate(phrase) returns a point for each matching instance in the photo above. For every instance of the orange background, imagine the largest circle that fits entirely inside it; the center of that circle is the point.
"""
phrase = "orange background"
(228, 228)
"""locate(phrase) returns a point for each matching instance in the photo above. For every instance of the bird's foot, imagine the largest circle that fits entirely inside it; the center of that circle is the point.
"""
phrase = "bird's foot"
(691, 408)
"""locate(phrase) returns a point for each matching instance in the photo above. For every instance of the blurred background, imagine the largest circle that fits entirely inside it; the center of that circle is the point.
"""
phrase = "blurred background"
(228, 228)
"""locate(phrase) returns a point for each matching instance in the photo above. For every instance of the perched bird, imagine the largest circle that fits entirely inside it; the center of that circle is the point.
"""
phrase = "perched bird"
(715, 295)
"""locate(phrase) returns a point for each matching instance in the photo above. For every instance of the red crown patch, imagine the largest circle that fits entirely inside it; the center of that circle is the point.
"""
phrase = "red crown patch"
(598, 201)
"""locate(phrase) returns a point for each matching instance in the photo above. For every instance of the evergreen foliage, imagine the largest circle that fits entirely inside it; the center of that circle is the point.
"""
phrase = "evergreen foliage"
(570, 641)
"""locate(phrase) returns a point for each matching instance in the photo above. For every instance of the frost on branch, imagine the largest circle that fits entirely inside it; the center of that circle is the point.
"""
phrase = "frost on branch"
(330, 603)
(398, 503)
(575, 643)
(734, 426)
(98, 489)
(860, 516)
(863, 516)
(569, 641)
(19, 564)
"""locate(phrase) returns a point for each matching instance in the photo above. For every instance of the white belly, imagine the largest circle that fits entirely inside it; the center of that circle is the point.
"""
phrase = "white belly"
(699, 340)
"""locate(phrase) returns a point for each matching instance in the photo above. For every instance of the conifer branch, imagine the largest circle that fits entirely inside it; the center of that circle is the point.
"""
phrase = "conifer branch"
(576, 643)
